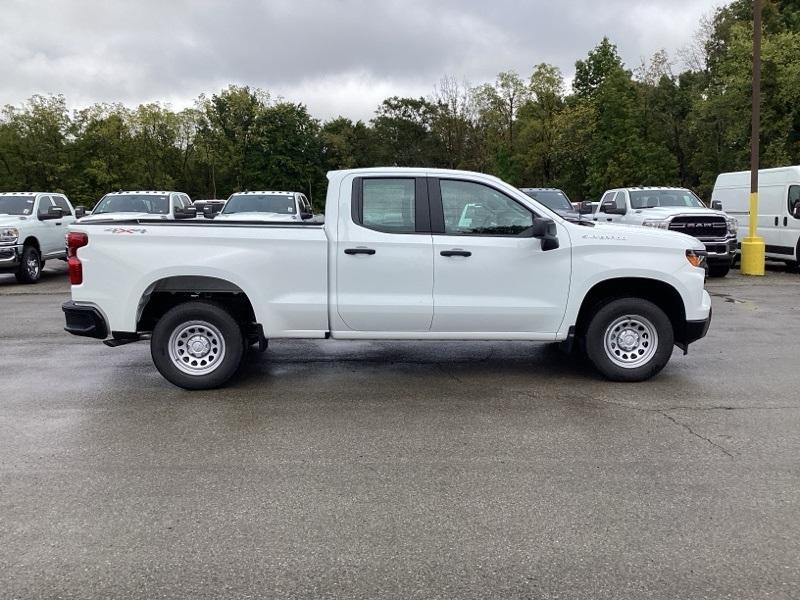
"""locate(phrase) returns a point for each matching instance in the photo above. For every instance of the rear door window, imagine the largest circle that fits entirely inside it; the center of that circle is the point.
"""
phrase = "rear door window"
(388, 205)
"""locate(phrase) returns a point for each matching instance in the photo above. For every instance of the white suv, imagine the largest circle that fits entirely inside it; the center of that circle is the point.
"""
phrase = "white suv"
(32, 229)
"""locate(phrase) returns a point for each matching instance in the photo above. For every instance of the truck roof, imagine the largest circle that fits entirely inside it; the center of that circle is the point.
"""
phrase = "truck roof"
(264, 192)
(650, 187)
(340, 174)
(154, 192)
(29, 193)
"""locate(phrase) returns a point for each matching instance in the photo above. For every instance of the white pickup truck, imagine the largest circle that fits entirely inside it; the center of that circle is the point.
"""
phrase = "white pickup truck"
(392, 261)
(146, 204)
(32, 228)
(676, 209)
(260, 206)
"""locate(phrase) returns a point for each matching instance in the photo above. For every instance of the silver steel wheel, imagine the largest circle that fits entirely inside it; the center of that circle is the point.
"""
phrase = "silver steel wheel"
(630, 341)
(33, 265)
(196, 347)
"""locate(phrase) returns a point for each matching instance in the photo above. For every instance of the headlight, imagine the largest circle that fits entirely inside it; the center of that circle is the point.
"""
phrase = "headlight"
(696, 258)
(733, 225)
(657, 223)
(9, 235)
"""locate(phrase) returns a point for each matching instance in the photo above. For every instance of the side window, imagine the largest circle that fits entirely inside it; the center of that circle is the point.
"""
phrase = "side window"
(62, 203)
(476, 209)
(186, 200)
(620, 200)
(794, 201)
(176, 202)
(45, 202)
(388, 205)
(305, 204)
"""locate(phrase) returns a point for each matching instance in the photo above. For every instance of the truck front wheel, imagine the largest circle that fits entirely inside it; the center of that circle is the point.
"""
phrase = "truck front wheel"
(30, 267)
(629, 339)
(197, 345)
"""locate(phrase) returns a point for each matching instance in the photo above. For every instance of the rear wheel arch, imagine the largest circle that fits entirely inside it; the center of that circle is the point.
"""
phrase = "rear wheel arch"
(166, 293)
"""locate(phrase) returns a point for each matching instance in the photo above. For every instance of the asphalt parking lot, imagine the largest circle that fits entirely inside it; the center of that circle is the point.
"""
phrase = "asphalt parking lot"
(403, 470)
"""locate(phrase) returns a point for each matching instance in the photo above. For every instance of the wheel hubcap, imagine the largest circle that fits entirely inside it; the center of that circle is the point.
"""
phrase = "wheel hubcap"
(631, 341)
(33, 266)
(196, 347)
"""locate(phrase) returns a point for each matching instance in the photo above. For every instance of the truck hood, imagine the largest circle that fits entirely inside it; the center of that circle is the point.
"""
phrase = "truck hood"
(636, 235)
(662, 212)
(13, 220)
(256, 216)
(121, 216)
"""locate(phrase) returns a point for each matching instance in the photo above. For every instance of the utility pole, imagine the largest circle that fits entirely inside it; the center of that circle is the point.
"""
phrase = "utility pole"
(753, 245)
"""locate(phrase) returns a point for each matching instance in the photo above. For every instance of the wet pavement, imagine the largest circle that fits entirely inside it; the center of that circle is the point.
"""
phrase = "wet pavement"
(402, 470)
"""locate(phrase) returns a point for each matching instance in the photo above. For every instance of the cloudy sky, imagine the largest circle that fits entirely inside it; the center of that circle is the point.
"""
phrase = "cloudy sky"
(336, 56)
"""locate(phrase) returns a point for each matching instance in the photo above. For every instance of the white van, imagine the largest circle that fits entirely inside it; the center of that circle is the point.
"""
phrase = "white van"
(778, 207)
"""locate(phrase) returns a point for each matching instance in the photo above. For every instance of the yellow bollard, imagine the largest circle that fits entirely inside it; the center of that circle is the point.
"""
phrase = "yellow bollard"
(752, 262)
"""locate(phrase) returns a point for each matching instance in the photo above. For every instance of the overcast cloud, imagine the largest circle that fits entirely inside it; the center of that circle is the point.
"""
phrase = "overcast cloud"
(335, 56)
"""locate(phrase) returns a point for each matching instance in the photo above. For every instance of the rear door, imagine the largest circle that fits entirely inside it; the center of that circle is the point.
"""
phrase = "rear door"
(384, 256)
(490, 276)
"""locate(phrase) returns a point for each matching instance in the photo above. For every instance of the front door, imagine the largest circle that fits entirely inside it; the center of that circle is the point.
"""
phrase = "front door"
(489, 274)
(51, 238)
(384, 256)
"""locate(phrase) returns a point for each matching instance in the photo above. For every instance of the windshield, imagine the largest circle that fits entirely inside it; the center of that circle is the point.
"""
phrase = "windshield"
(16, 205)
(655, 198)
(139, 203)
(262, 203)
(553, 199)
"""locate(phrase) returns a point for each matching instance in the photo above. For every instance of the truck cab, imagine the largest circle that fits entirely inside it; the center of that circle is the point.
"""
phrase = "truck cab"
(266, 205)
(148, 204)
(674, 209)
(32, 229)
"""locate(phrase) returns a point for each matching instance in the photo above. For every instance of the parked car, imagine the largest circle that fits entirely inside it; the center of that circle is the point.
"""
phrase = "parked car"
(675, 209)
(391, 261)
(208, 208)
(555, 200)
(120, 206)
(32, 228)
(259, 206)
(778, 208)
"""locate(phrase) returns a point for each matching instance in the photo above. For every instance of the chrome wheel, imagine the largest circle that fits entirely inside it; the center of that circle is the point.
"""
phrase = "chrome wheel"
(196, 347)
(33, 265)
(630, 341)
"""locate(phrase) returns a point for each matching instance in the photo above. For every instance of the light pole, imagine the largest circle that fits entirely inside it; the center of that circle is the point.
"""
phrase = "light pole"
(753, 245)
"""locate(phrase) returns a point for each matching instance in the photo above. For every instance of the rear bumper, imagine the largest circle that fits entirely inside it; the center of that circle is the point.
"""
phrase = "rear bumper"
(85, 321)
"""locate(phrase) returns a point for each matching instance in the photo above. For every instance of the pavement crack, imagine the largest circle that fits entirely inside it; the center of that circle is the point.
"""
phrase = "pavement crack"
(693, 432)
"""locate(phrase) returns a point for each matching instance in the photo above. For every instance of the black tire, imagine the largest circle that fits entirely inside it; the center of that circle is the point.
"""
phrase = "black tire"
(30, 268)
(207, 317)
(623, 310)
(718, 270)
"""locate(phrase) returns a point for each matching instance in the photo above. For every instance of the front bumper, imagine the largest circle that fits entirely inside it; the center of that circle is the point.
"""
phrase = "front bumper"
(692, 331)
(10, 258)
(85, 321)
(720, 251)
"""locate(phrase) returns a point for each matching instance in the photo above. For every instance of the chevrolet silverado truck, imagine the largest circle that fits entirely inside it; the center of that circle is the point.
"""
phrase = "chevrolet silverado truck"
(393, 260)
(675, 209)
(32, 229)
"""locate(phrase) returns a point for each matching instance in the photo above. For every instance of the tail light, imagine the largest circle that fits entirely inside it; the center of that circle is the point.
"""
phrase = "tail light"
(75, 240)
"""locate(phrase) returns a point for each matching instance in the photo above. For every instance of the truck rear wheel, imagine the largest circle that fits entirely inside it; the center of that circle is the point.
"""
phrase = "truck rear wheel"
(197, 345)
(629, 339)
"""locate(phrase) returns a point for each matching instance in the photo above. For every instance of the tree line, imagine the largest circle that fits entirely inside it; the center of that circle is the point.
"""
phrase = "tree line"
(617, 126)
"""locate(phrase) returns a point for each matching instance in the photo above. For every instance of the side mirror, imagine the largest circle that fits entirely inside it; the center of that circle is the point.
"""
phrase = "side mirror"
(306, 215)
(610, 208)
(796, 211)
(545, 230)
(585, 208)
(80, 211)
(208, 211)
(190, 212)
(716, 205)
(54, 212)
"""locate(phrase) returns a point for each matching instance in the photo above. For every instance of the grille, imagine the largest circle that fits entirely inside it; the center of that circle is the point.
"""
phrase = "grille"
(700, 227)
